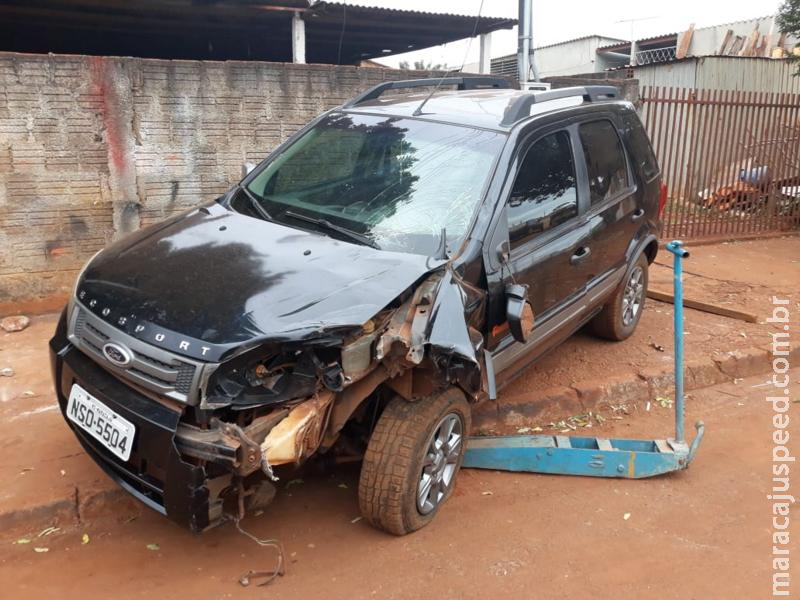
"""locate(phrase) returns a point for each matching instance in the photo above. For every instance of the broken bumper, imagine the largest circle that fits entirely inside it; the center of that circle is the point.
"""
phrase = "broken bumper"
(155, 472)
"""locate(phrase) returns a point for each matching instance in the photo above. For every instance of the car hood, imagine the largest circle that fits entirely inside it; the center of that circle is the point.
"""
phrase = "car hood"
(212, 279)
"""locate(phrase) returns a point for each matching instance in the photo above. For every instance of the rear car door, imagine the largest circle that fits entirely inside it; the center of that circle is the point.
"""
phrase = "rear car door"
(615, 211)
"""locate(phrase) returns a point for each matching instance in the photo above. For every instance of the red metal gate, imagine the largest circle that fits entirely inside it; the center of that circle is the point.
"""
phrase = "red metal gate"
(730, 159)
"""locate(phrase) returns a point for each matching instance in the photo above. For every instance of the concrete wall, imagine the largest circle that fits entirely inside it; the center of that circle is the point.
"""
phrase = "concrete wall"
(92, 148)
(571, 58)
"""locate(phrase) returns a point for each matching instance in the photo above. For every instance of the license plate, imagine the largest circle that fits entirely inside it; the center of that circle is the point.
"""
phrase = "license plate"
(99, 421)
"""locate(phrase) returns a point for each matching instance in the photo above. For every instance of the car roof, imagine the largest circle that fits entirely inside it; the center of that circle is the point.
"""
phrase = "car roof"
(483, 108)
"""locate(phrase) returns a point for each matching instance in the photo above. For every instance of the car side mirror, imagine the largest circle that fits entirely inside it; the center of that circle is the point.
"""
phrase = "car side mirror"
(247, 168)
(519, 312)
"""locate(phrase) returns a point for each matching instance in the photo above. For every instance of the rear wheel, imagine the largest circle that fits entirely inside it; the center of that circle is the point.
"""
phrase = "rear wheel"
(620, 316)
(412, 461)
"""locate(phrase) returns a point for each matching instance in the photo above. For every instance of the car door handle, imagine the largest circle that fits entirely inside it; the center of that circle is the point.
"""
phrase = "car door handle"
(580, 255)
(637, 214)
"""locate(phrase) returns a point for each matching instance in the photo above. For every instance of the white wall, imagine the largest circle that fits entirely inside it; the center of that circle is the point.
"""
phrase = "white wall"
(570, 58)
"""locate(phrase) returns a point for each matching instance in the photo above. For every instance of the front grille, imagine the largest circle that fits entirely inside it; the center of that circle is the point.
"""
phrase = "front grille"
(151, 368)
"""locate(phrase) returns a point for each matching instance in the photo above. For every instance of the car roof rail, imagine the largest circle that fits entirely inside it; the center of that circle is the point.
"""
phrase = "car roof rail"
(520, 108)
(463, 83)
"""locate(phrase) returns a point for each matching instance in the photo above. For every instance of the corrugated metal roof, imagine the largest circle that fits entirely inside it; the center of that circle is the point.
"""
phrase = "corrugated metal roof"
(371, 32)
(315, 3)
(336, 32)
(578, 39)
(677, 33)
(654, 38)
(736, 22)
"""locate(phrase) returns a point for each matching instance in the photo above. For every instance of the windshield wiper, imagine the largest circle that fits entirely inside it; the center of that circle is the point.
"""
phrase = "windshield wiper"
(325, 224)
(256, 205)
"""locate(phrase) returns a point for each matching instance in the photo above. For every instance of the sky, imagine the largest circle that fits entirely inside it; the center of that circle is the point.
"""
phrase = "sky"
(566, 19)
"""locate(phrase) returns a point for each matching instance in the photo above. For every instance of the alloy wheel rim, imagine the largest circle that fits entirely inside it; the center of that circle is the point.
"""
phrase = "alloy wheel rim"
(632, 296)
(440, 463)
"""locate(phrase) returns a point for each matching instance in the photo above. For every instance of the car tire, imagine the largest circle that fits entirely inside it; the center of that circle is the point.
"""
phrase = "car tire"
(619, 317)
(414, 444)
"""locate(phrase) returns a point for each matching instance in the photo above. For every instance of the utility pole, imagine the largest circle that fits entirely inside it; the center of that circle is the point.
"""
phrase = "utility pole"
(525, 62)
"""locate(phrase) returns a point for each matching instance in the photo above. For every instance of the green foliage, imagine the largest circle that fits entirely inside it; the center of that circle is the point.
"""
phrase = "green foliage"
(789, 23)
(421, 65)
(789, 17)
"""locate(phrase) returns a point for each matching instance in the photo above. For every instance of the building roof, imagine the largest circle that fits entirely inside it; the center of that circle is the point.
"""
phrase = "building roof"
(336, 32)
(578, 39)
(371, 32)
(654, 40)
(563, 43)
(670, 37)
(739, 22)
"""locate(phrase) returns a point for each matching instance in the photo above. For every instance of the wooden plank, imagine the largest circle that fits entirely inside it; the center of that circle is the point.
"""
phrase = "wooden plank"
(704, 306)
(736, 46)
(761, 50)
(750, 44)
(726, 41)
(685, 42)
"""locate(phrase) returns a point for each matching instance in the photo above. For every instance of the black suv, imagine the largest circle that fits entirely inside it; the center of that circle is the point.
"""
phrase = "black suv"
(396, 260)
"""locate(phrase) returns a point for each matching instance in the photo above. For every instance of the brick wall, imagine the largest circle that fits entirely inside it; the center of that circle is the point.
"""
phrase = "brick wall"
(92, 148)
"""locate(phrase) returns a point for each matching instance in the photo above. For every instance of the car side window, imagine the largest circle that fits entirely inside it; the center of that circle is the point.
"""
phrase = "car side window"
(641, 149)
(605, 160)
(545, 193)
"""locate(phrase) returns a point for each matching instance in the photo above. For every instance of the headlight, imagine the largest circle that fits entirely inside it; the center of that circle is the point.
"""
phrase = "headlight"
(265, 375)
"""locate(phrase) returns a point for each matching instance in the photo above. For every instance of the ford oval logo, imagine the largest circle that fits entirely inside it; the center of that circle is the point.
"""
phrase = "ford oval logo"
(117, 354)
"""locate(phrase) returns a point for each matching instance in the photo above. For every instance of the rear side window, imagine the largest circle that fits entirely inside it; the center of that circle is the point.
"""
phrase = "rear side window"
(544, 193)
(605, 160)
(643, 156)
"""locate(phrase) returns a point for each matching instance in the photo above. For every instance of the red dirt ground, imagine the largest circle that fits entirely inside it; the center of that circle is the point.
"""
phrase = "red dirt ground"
(703, 533)
(699, 534)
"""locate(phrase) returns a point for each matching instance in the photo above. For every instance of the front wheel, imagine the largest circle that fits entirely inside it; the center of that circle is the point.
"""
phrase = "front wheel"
(412, 461)
(620, 316)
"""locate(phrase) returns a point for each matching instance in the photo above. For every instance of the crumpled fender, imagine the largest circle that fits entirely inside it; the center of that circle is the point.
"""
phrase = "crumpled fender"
(447, 331)
(435, 324)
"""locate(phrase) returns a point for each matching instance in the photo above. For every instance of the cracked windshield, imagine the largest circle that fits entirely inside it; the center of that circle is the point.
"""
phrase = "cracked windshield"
(395, 182)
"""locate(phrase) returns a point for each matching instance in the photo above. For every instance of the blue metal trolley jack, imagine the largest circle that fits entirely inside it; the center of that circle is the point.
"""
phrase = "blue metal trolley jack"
(598, 457)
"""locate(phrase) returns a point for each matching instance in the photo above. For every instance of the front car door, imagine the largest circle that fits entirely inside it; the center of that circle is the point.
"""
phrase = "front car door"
(548, 243)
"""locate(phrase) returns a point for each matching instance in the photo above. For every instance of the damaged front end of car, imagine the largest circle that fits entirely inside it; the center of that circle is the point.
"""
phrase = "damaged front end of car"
(282, 402)
(212, 443)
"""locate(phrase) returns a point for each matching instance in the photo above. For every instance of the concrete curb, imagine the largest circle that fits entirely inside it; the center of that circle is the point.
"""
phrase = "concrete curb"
(556, 403)
(97, 502)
